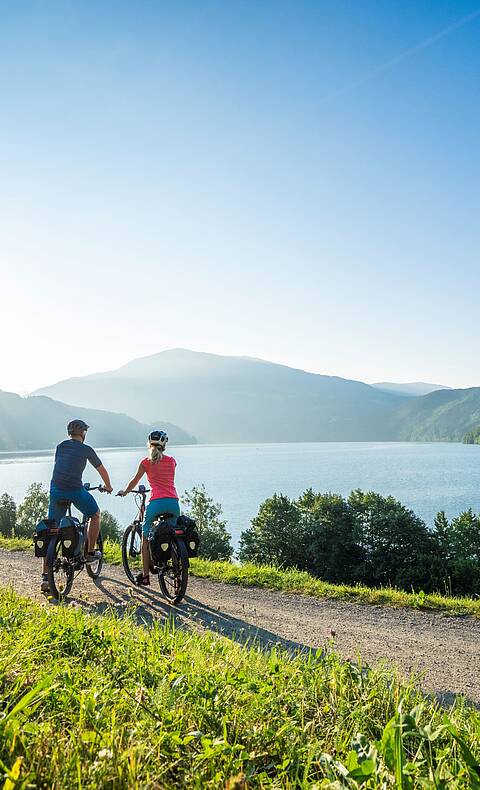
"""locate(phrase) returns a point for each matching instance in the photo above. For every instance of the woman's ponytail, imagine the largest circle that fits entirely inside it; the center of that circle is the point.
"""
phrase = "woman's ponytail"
(156, 452)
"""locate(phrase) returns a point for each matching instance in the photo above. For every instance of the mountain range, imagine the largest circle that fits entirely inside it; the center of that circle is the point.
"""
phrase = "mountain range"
(233, 399)
(239, 399)
(38, 423)
(236, 399)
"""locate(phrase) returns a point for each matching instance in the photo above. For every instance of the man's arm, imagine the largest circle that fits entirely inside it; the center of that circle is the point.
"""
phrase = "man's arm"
(106, 480)
(133, 482)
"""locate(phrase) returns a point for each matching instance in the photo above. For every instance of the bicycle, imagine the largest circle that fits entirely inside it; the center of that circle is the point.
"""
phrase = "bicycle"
(61, 564)
(173, 570)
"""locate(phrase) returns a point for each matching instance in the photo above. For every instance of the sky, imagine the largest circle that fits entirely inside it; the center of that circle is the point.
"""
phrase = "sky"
(296, 181)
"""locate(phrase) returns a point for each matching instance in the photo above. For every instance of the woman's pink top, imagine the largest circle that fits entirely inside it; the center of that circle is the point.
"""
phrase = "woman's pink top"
(161, 477)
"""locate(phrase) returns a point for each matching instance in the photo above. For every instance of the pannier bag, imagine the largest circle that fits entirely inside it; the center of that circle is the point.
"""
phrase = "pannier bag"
(160, 539)
(72, 536)
(192, 538)
(41, 536)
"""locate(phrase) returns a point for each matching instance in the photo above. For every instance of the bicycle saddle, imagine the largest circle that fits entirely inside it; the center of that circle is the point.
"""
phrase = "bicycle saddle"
(164, 516)
(62, 502)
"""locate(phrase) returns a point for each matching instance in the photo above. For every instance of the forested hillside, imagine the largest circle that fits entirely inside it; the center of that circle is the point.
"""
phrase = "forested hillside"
(446, 415)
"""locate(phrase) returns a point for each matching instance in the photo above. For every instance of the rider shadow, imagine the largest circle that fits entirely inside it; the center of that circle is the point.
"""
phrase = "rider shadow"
(147, 607)
(239, 630)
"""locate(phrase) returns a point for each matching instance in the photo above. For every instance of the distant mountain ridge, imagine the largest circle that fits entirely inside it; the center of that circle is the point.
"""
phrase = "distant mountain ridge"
(237, 399)
(241, 399)
(39, 423)
(412, 388)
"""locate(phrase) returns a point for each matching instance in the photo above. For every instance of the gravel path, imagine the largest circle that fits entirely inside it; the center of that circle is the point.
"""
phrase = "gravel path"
(445, 651)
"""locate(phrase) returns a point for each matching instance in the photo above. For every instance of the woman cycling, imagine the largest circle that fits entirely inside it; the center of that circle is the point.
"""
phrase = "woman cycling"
(160, 471)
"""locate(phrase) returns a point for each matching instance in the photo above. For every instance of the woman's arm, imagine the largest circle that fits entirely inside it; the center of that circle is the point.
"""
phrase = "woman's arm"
(133, 482)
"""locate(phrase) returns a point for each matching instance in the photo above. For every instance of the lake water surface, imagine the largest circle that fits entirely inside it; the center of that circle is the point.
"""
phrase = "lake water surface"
(425, 477)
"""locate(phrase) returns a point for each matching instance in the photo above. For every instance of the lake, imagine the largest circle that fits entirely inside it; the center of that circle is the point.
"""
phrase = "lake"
(425, 477)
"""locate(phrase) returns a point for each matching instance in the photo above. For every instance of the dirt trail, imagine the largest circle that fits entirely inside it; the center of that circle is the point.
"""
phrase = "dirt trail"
(444, 650)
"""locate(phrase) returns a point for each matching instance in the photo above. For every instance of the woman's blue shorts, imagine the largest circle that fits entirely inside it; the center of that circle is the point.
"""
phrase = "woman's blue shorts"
(157, 506)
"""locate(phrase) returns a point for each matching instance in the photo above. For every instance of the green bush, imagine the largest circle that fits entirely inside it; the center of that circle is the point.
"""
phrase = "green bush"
(334, 552)
(215, 541)
(8, 515)
(32, 510)
(276, 536)
(396, 543)
(368, 539)
(110, 527)
(461, 548)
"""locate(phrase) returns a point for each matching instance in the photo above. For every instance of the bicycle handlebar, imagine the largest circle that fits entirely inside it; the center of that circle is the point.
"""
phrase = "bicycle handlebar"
(142, 491)
(100, 488)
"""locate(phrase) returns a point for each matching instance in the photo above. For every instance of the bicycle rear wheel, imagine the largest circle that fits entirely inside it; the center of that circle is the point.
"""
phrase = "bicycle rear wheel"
(173, 576)
(132, 551)
(94, 569)
(59, 570)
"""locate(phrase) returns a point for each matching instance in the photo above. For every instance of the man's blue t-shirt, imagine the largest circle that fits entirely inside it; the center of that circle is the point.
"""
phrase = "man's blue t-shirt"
(71, 457)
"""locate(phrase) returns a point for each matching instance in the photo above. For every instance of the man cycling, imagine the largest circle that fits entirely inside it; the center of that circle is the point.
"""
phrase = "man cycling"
(71, 457)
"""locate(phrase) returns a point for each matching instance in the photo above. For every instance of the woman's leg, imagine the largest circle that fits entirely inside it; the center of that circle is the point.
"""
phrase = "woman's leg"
(150, 514)
(145, 556)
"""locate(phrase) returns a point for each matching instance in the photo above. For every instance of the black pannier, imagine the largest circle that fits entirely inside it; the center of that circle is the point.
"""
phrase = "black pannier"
(160, 540)
(71, 536)
(41, 536)
(192, 538)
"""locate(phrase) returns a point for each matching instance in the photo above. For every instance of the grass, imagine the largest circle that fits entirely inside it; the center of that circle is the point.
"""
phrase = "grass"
(95, 701)
(293, 581)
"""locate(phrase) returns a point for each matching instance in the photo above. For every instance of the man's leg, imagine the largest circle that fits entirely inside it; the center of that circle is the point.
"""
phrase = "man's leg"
(57, 512)
(86, 504)
(93, 530)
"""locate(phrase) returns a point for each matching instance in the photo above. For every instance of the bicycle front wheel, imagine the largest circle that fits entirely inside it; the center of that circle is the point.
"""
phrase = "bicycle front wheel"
(173, 576)
(132, 552)
(59, 570)
(94, 569)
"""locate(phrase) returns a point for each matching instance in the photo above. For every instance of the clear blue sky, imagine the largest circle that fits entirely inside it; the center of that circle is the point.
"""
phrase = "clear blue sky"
(297, 181)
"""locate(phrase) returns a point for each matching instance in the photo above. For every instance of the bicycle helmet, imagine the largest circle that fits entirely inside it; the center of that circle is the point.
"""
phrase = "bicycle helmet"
(75, 426)
(158, 437)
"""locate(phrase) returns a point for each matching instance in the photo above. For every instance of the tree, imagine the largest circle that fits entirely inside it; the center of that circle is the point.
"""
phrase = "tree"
(276, 536)
(462, 548)
(333, 545)
(33, 509)
(110, 527)
(8, 514)
(215, 541)
(397, 544)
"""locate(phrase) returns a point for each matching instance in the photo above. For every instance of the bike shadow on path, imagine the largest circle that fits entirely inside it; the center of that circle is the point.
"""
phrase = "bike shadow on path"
(148, 606)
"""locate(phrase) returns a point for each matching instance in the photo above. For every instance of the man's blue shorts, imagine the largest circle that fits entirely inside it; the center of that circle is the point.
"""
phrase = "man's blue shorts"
(79, 497)
(157, 506)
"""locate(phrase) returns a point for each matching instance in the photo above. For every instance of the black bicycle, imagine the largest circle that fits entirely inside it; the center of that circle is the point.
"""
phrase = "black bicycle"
(170, 559)
(66, 556)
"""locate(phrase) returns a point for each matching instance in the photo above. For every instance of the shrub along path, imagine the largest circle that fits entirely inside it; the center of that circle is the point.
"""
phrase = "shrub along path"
(443, 650)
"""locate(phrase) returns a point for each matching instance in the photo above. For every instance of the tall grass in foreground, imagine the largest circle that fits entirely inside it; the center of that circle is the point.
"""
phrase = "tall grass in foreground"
(293, 581)
(96, 701)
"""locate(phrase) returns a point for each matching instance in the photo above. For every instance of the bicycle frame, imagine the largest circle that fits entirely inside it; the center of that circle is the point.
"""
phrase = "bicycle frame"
(173, 572)
(69, 564)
